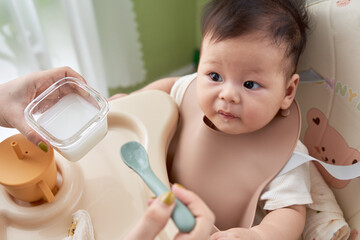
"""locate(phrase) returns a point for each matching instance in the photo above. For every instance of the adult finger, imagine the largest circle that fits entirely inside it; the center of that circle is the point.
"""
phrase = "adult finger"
(154, 219)
(42, 80)
(33, 137)
(204, 216)
(61, 72)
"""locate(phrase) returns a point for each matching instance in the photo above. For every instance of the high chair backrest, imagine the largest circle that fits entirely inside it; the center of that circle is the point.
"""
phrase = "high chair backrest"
(330, 103)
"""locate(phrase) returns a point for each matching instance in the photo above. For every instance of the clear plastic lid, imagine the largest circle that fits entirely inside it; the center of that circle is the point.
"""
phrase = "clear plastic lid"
(66, 111)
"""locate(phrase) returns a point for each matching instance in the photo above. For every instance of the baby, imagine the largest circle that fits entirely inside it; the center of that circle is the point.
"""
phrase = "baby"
(238, 123)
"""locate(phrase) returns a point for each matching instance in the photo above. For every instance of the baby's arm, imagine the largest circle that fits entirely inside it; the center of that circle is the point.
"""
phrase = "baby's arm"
(284, 223)
(164, 84)
(280, 224)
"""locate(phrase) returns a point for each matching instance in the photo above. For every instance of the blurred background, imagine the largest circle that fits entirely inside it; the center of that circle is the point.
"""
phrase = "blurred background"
(117, 45)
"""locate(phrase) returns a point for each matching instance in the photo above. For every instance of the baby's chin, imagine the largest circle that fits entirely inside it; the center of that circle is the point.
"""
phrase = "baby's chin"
(233, 130)
(230, 128)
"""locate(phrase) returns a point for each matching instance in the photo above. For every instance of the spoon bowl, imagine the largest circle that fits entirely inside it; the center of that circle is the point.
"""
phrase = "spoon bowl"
(135, 156)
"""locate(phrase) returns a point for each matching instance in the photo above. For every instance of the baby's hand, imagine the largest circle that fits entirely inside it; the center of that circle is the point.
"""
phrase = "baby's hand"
(236, 233)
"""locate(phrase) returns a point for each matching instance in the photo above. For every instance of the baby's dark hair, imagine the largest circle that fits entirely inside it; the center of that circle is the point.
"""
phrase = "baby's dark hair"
(283, 21)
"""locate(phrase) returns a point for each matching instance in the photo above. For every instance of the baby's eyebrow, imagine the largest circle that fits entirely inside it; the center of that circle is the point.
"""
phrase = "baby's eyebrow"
(212, 61)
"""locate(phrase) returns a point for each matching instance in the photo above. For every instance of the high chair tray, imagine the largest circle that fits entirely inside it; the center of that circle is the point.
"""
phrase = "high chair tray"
(100, 183)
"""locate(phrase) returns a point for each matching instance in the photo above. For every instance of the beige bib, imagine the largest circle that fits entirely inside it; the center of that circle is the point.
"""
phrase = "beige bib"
(227, 171)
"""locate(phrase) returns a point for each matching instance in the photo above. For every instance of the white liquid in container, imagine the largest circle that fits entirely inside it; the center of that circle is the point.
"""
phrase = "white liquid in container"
(66, 118)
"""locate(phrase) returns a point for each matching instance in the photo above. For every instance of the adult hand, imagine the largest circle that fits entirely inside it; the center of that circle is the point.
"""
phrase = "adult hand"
(159, 212)
(15, 95)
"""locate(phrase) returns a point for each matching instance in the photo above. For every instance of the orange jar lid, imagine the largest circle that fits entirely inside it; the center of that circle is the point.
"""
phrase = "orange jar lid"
(21, 162)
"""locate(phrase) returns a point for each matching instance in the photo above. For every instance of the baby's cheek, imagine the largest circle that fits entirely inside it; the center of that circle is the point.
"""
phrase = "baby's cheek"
(257, 118)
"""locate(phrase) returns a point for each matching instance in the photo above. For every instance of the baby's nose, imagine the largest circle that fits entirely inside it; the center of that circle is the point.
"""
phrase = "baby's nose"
(230, 94)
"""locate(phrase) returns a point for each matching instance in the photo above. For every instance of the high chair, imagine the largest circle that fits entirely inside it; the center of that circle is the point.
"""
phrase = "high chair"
(100, 183)
(330, 101)
(115, 197)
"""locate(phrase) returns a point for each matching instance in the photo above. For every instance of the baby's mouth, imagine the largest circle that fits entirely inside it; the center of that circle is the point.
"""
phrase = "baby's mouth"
(226, 115)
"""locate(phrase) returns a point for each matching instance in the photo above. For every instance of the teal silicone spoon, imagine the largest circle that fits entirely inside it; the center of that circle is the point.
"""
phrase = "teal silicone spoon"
(135, 156)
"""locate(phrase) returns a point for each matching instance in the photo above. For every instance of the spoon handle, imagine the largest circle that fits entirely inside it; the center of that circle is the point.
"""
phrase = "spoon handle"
(181, 215)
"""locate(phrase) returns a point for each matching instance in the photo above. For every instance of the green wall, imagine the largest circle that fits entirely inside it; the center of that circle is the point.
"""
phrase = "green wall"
(167, 33)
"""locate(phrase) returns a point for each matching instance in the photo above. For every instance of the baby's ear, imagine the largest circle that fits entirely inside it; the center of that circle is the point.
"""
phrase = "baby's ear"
(291, 86)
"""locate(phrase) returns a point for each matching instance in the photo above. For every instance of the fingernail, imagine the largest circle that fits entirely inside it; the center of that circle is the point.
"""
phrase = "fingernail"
(43, 146)
(179, 185)
(167, 197)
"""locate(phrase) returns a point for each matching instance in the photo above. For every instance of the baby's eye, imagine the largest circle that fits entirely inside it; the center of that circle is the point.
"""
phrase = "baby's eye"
(251, 85)
(215, 77)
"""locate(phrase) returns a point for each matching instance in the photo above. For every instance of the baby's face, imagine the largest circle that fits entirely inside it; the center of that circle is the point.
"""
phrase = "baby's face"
(241, 83)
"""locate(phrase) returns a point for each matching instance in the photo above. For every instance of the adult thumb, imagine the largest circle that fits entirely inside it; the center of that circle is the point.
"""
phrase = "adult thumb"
(33, 137)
